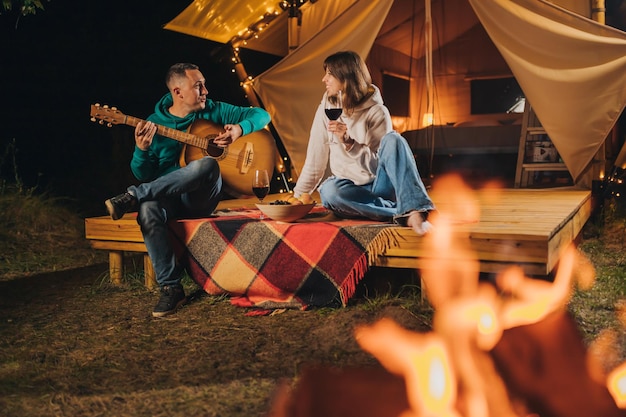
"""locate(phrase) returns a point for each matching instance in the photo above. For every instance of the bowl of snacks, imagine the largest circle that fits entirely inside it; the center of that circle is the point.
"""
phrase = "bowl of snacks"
(287, 210)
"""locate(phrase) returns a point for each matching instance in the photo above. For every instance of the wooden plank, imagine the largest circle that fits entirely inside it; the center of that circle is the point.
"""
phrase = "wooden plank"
(148, 272)
(513, 250)
(485, 266)
(125, 229)
(118, 245)
(567, 234)
(502, 252)
(545, 166)
(116, 266)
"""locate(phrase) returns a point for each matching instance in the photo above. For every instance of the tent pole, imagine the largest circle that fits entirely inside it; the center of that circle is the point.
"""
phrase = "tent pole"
(430, 81)
(598, 170)
(295, 22)
(598, 11)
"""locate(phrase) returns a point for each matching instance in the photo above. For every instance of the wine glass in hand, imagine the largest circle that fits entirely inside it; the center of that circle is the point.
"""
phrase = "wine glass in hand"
(333, 111)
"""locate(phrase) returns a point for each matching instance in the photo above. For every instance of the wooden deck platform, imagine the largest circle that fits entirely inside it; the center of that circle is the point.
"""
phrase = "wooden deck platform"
(525, 227)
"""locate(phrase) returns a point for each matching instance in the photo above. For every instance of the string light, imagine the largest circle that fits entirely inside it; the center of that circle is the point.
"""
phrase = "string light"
(612, 186)
(253, 32)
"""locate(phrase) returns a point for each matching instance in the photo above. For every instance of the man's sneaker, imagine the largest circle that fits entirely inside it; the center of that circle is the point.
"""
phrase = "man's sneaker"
(172, 297)
(120, 204)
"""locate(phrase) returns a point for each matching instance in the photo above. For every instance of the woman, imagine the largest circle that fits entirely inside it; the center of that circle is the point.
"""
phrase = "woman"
(373, 172)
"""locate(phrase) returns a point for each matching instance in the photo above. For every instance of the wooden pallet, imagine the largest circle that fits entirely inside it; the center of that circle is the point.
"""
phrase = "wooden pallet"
(525, 227)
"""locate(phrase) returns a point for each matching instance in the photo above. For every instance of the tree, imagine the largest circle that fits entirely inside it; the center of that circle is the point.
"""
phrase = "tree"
(21, 7)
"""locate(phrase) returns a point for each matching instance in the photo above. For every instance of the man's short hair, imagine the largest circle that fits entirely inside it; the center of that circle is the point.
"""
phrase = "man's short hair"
(178, 71)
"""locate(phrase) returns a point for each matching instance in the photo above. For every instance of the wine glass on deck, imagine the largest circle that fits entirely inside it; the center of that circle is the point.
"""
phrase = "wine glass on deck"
(261, 185)
(333, 111)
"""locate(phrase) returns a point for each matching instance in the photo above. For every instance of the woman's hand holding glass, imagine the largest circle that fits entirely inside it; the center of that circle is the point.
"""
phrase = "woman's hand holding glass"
(338, 130)
(333, 110)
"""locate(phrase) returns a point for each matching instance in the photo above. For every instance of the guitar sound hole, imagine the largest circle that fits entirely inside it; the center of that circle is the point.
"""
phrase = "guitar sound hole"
(214, 150)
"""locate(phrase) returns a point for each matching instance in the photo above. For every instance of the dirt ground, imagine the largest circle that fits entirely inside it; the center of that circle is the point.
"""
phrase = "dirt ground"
(73, 345)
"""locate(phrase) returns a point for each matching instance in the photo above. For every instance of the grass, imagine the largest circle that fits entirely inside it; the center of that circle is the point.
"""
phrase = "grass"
(602, 308)
(40, 234)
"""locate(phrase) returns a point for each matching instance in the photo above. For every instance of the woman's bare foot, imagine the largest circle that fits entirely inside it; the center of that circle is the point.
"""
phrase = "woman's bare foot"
(416, 222)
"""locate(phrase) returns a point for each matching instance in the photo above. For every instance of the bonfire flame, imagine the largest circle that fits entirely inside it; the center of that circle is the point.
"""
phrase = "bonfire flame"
(616, 383)
(449, 371)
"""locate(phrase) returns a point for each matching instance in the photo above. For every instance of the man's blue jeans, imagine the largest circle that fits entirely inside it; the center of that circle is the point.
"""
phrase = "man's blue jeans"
(397, 189)
(191, 191)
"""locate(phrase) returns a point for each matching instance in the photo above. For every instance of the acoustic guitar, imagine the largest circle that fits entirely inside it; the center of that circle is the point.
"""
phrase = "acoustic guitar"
(238, 161)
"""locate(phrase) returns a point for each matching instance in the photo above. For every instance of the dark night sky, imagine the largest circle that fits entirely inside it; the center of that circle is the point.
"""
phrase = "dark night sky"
(55, 64)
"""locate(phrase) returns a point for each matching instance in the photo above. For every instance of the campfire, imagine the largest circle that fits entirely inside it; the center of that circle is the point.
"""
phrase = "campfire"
(497, 348)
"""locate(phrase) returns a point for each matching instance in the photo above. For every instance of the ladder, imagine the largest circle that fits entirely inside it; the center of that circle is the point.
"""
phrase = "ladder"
(536, 152)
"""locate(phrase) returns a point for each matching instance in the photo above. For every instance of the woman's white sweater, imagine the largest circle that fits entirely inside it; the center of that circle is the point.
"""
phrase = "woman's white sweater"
(367, 124)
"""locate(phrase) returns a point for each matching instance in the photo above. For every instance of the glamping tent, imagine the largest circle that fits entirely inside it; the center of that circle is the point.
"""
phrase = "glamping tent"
(425, 55)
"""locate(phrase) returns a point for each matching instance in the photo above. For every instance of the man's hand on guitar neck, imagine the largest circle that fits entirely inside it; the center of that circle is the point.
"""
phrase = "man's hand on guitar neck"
(230, 134)
(144, 132)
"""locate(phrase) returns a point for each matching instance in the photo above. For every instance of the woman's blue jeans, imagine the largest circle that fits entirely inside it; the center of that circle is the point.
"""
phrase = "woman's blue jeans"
(397, 189)
(191, 191)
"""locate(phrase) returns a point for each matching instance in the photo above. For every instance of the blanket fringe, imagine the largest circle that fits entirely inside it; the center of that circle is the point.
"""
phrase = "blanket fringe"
(348, 287)
(386, 239)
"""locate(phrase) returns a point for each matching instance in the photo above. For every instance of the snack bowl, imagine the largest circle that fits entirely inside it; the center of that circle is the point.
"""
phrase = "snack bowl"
(285, 212)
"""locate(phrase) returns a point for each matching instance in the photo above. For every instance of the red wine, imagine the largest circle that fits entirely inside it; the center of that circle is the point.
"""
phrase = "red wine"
(333, 114)
(260, 192)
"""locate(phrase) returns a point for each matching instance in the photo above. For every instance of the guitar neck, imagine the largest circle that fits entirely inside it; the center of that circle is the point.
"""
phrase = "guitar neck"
(177, 135)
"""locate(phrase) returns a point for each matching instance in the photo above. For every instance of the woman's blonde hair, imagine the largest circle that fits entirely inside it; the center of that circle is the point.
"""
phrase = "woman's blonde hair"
(350, 69)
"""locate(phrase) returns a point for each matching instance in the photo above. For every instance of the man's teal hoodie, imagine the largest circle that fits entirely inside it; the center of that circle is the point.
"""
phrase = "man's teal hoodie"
(163, 155)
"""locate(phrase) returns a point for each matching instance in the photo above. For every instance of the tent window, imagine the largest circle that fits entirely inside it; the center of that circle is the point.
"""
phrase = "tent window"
(396, 91)
(497, 95)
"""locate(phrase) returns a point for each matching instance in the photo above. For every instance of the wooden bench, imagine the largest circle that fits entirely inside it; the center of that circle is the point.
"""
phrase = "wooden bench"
(523, 227)
(124, 235)
(118, 237)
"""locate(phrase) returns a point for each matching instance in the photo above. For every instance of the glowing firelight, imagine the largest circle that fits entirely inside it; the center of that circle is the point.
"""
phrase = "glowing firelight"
(433, 373)
(535, 299)
(436, 378)
(616, 382)
(422, 359)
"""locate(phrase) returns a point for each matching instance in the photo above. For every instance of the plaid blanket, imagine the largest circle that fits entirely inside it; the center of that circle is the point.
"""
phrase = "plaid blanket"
(270, 265)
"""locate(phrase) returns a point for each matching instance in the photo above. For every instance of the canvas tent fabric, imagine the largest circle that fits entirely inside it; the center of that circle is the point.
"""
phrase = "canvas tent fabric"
(570, 68)
(218, 20)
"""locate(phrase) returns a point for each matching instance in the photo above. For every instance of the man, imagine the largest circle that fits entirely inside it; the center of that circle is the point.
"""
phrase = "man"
(167, 190)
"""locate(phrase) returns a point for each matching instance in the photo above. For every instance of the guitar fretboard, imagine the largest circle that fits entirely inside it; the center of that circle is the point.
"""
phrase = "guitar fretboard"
(177, 135)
